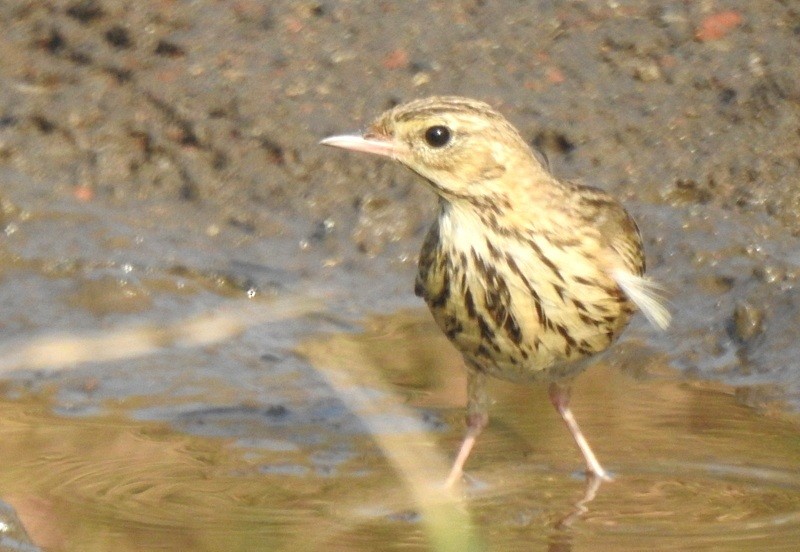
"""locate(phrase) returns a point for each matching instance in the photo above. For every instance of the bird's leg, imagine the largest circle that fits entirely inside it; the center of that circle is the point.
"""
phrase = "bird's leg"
(477, 418)
(559, 396)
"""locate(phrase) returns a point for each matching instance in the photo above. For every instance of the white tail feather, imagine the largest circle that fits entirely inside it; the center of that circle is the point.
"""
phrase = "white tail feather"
(646, 294)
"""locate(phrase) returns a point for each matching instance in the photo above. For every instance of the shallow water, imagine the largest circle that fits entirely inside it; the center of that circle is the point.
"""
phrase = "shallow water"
(694, 469)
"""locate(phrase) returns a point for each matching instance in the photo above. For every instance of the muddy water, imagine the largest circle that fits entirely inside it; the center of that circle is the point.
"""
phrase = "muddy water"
(693, 468)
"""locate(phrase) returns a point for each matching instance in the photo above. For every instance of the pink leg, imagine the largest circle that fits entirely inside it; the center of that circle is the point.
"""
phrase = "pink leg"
(477, 418)
(559, 396)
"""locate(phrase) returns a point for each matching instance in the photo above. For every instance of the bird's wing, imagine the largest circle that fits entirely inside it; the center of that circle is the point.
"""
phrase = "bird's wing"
(623, 237)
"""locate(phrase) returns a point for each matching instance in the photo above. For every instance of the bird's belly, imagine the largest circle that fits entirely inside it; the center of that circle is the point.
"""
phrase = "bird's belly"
(499, 349)
(515, 316)
(515, 335)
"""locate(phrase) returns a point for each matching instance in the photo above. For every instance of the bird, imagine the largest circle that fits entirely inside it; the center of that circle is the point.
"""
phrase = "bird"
(530, 277)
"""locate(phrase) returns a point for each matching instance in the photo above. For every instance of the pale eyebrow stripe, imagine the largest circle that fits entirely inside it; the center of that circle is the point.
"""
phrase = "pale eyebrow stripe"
(439, 107)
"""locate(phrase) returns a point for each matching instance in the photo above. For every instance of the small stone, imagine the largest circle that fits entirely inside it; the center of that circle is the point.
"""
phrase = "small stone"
(421, 78)
(770, 273)
(396, 59)
(747, 321)
(718, 25)
(646, 70)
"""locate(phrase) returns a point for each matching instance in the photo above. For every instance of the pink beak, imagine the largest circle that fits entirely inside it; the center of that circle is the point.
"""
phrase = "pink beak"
(365, 145)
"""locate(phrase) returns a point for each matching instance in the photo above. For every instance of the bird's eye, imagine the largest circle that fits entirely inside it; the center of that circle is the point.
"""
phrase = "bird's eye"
(437, 136)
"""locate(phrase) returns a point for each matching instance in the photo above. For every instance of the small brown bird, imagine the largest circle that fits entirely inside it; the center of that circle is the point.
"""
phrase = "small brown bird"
(528, 276)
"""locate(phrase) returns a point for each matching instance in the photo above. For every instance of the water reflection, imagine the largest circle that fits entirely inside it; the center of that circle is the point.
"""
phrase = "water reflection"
(581, 506)
(560, 537)
(693, 469)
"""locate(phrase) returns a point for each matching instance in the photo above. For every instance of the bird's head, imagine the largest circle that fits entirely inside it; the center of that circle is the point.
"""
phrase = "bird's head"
(462, 147)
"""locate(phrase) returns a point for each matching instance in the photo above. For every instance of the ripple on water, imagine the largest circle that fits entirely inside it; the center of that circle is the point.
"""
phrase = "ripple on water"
(702, 503)
(694, 469)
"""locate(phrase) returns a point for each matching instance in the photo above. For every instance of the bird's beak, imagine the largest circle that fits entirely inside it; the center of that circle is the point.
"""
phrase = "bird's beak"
(352, 142)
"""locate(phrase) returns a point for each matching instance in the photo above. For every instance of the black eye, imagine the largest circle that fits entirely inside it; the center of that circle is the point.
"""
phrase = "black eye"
(437, 136)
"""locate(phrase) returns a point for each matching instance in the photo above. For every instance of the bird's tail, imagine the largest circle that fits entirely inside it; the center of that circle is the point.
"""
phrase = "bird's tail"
(647, 295)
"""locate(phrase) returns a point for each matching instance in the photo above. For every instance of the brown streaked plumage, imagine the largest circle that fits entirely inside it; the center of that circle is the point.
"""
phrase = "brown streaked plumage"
(528, 276)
